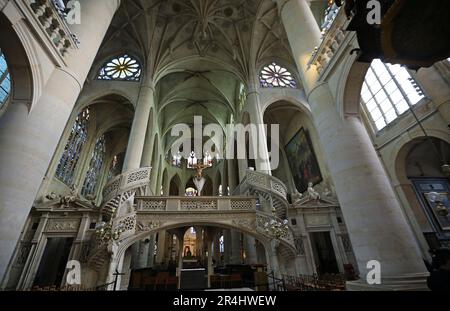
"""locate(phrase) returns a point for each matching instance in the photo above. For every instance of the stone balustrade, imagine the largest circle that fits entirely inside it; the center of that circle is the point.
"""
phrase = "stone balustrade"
(188, 204)
(332, 39)
(125, 182)
(51, 19)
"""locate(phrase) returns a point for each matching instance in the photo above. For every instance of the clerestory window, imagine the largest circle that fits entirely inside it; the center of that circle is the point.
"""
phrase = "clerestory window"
(388, 92)
(274, 75)
(122, 68)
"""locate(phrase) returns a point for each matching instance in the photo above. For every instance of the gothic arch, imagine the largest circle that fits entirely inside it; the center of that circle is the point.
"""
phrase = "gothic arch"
(26, 80)
(175, 186)
(350, 86)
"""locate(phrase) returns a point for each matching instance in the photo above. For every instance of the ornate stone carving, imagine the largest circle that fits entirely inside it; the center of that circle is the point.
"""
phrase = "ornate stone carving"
(312, 194)
(242, 205)
(198, 205)
(148, 226)
(22, 255)
(63, 225)
(138, 176)
(153, 205)
(317, 220)
(246, 223)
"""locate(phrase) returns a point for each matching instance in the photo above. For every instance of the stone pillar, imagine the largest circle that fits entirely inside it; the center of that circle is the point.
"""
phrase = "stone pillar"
(256, 118)
(151, 252)
(252, 257)
(28, 139)
(436, 87)
(144, 247)
(138, 133)
(227, 247)
(377, 227)
(272, 258)
(235, 247)
(231, 167)
(303, 34)
(34, 258)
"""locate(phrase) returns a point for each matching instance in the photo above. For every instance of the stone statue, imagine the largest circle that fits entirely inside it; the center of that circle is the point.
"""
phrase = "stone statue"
(312, 194)
(220, 191)
(296, 197)
(71, 197)
(199, 183)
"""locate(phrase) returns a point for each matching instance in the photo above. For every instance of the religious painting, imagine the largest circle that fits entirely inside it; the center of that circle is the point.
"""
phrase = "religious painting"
(303, 161)
(443, 221)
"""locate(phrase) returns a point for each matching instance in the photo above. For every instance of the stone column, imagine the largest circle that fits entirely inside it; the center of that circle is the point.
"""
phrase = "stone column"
(151, 252)
(256, 117)
(231, 167)
(377, 227)
(272, 258)
(28, 139)
(436, 87)
(142, 260)
(139, 128)
(235, 247)
(252, 257)
(303, 34)
(37, 248)
(227, 247)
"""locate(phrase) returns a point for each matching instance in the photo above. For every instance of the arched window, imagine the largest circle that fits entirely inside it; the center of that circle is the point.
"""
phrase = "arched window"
(95, 168)
(388, 92)
(122, 68)
(274, 75)
(222, 244)
(5, 81)
(69, 159)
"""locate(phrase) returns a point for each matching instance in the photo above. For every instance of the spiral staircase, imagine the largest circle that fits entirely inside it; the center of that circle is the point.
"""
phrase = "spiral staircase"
(118, 201)
(267, 189)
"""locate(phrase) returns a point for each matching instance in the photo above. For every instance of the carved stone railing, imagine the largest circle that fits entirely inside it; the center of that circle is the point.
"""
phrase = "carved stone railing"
(332, 39)
(188, 204)
(270, 186)
(52, 21)
(126, 182)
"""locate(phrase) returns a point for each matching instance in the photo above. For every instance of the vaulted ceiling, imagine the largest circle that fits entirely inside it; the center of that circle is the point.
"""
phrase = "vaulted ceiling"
(198, 52)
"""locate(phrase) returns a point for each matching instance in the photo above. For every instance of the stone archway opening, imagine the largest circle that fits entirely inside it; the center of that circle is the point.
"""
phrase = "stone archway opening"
(420, 175)
(196, 250)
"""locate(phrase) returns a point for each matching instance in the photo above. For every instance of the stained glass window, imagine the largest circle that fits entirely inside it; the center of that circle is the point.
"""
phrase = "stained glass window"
(123, 68)
(388, 92)
(5, 80)
(274, 75)
(69, 159)
(95, 168)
